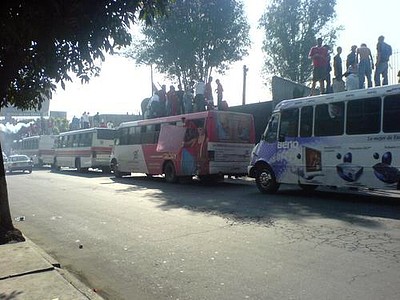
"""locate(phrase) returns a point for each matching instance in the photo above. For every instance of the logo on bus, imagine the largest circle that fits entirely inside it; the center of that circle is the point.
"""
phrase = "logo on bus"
(288, 145)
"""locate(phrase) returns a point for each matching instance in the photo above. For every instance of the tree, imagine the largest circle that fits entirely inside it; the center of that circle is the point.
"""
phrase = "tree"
(41, 41)
(291, 28)
(197, 36)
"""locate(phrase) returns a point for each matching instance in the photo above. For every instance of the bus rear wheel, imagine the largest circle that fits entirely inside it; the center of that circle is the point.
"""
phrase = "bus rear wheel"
(170, 173)
(114, 169)
(266, 180)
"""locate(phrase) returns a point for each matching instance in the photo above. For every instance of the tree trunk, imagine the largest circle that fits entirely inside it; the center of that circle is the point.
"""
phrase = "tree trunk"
(8, 233)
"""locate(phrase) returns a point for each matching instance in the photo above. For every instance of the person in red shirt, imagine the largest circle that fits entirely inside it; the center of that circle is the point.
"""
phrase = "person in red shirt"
(172, 102)
(319, 57)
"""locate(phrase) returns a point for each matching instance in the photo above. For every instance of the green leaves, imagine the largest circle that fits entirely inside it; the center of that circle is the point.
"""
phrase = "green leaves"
(291, 28)
(196, 37)
(41, 41)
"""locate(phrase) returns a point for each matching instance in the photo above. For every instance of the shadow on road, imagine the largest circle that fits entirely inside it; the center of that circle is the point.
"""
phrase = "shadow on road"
(238, 200)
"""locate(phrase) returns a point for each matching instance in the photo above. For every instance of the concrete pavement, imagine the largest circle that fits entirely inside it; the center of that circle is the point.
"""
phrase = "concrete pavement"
(27, 272)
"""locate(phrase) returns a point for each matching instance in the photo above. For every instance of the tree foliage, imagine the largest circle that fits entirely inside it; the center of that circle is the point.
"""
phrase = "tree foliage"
(291, 28)
(197, 37)
(42, 40)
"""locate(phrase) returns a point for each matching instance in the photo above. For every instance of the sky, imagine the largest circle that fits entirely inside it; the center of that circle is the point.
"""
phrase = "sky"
(122, 85)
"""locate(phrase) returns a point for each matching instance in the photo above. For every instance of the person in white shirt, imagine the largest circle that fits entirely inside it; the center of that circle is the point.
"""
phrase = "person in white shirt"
(199, 99)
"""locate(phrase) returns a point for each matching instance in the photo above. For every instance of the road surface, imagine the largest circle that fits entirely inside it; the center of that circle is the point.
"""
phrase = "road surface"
(141, 238)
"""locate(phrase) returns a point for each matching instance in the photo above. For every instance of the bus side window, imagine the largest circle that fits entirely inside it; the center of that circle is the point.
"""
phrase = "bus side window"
(306, 121)
(391, 113)
(289, 123)
(329, 119)
(271, 134)
(363, 116)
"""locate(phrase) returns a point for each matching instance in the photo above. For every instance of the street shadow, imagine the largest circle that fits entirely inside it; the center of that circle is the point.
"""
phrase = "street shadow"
(13, 295)
(91, 173)
(239, 201)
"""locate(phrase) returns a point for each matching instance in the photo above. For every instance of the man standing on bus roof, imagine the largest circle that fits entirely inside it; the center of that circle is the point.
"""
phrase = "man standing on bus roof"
(208, 94)
(382, 60)
(199, 98)
(365, 65)
(319, 55)
(219, 90)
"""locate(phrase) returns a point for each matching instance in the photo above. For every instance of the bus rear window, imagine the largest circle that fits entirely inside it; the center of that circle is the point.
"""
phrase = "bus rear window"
(105, 134)
(233, 128)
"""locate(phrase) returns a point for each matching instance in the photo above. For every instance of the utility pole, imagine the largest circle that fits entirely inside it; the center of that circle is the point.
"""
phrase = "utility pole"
(245, 69)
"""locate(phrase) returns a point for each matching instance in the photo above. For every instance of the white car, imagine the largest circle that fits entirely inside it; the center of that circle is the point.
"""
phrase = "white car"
(19, 162)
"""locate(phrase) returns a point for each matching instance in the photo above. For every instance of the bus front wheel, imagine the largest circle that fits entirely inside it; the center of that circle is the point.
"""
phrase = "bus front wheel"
(170, 173)
(266, 180)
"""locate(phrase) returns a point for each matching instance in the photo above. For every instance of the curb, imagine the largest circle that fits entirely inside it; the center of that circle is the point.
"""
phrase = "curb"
(69, 277)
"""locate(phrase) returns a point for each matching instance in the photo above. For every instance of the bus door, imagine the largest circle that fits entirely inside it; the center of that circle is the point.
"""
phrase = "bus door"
(309, 152)
(266, 150)
(287, 148)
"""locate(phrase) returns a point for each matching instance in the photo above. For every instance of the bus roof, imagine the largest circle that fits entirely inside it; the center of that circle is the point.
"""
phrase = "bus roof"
(342, 96)
(36, 137)
(191, 116)
(85, 130)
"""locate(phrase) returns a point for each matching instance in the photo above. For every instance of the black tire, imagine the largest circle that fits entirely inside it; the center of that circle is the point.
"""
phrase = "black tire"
(266, 180)
(78, 165)
(106, 170)
(54, 165)
(29, 171)
(114, 169)
(170, 173)
(308, 187)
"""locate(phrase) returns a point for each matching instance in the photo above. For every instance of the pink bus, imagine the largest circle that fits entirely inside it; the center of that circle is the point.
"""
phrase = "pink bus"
(207, 144)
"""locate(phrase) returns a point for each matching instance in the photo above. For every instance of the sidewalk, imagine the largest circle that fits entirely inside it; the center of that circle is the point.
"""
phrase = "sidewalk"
(26, 272)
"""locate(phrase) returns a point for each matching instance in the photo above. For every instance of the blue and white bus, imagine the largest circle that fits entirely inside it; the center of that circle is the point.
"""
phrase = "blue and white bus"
(347, 139)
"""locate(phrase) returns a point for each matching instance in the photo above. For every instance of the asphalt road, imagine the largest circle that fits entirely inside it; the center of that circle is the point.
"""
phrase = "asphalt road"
(140, 238)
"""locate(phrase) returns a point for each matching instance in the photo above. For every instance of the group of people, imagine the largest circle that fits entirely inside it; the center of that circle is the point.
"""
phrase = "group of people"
(196, 97)
(87, 122)
(359, 66)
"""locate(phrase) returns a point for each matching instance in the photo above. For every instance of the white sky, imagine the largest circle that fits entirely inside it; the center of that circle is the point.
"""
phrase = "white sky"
(122, 85)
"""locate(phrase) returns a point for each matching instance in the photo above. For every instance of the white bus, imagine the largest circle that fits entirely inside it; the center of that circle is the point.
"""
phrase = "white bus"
(39, 148)
(208, 144)
(347, 139)
(85, 148)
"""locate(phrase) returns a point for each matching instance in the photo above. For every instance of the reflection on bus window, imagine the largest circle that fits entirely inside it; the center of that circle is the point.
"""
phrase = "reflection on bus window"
(363, 116)
(289, 122)
(233, 128)
(272, 129)
(329, 119)
(306, 121)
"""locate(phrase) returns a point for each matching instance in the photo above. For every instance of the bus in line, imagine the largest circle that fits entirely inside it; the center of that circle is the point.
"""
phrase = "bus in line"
(209, 144)
(84, 148)
(39, 148)
(348, 139)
